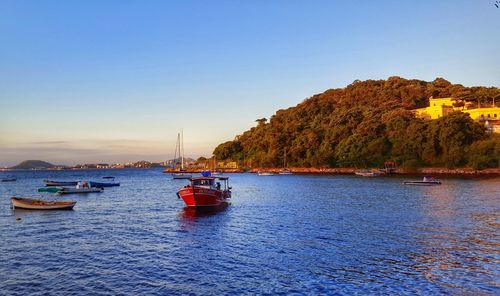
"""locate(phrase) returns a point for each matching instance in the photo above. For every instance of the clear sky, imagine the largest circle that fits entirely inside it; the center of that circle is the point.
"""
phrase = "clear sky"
(114, 81)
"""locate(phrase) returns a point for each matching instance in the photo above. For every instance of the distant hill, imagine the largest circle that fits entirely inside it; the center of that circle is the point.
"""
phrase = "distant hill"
(367, 123)
(33, 164)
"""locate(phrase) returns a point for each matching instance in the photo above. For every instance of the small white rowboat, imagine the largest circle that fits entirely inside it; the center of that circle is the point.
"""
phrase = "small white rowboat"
(427, 181)
(265, 173)
(37, 204)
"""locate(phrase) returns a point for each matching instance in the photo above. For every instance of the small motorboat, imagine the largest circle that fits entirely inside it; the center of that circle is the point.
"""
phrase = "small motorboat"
(368, 173)
(205, 192)
(427, 181)
(50, 189)
(81, 187)
(265, 173)
(9, 180)
(60, 183)
(102, 185)
(37, 204)
(108, 177)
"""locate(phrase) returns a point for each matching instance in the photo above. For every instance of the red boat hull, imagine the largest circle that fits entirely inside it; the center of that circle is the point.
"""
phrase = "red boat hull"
(203, 197)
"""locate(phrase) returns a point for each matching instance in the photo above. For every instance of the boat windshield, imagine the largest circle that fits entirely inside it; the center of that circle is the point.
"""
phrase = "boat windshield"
(203, 182)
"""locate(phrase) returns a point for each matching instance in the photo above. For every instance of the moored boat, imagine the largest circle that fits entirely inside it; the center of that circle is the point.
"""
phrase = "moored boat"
(60, 183)
(426, 181)
(368, 173)
(9, 180)
(81, 187)
(179, 148)
(49, 189)
(182, 175)
(263, 173)
(285, 170)
(205, 192)
(216, 171)
(37, 204)
(68, 190)
(102, 184)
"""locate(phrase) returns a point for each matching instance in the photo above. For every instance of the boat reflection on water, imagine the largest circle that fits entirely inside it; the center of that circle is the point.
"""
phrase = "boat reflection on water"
(191, 218)
(191, 213)
(21, 214)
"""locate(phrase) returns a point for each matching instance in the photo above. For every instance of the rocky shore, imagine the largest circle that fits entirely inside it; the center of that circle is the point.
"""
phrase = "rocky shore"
(348, 171)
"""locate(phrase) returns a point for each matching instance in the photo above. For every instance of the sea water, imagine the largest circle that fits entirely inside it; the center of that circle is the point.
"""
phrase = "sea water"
(300, 234)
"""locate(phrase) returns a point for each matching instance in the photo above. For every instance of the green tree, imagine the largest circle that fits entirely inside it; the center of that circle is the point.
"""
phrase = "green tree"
(364, 124)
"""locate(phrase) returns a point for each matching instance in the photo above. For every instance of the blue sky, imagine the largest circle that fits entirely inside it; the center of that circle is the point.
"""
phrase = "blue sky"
(114, 81)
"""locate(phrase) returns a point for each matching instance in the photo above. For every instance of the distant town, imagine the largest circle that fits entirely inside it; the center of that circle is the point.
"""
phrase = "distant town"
(200, 163)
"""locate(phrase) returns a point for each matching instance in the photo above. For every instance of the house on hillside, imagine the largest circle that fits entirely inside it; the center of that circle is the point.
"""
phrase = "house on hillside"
(227, 165)
(439, 107)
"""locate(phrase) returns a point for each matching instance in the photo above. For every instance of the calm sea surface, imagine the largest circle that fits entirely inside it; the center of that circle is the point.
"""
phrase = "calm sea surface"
(280, 235)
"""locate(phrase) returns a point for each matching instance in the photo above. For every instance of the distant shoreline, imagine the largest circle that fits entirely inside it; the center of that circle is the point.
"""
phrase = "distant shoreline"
(350, 171)
(308, 171)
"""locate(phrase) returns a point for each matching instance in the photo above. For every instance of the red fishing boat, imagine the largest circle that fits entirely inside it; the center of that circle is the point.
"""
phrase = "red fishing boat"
(206, 192)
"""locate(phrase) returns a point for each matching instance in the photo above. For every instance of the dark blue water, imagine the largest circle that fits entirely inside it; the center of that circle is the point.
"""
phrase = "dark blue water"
(280, 235)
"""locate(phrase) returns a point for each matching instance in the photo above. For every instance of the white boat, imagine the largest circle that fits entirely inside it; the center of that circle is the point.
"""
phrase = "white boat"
(368, 173)
(285, 171)
(181, 176)
(81, 187)
(179, 147)
(427, 181)
(265, 173)
(37, 204)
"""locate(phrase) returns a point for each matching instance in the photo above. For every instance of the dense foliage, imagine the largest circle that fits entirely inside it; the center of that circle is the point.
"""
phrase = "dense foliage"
(367, 123)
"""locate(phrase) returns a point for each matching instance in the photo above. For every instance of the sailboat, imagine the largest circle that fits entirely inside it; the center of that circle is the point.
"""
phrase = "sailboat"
(182, 174)
(285, 171)
(216, 172)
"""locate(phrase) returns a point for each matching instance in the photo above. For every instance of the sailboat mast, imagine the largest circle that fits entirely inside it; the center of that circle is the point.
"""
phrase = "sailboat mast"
(182, 145)
(284, 159)
(175, 152)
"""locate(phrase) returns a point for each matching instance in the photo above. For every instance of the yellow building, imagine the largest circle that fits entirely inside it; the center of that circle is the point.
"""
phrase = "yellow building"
(227, 165)
(439, 107)
(491, 113)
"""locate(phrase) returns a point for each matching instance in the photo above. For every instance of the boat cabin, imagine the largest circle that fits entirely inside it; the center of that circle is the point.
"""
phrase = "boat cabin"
(211, 182)
(81, 185)
(429, 179)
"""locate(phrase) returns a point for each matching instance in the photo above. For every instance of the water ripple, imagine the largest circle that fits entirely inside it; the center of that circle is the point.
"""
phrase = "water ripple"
(281, 235)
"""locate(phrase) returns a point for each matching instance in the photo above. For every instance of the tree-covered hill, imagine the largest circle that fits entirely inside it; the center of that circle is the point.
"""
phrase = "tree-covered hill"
(367, 123)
